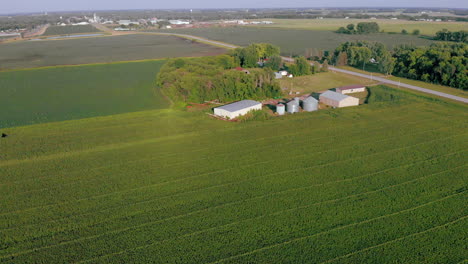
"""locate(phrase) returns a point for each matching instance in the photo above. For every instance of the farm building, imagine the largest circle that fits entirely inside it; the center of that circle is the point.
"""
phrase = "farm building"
(338, 100)
(128, 22)
(237, 109)
(278, 75)
(351, 89)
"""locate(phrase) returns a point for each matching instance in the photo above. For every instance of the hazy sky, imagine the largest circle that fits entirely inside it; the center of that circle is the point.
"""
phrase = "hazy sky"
(16, 6)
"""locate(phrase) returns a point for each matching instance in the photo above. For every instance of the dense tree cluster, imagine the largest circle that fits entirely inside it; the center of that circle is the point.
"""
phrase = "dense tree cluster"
(249, 57)
(362, 28)
(208, 78)
(441, 63)
(359, 53)
(457, 36)
(300, 67)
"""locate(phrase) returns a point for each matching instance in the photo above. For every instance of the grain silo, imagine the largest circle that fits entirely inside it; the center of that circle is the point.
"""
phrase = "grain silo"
(280, 109)
(297, 99)
(310, 104)
(293, 107)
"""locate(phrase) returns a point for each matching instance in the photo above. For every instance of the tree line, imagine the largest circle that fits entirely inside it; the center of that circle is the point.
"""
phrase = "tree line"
(440, 63)
(457, 36)
(204, 79)
(362, 28)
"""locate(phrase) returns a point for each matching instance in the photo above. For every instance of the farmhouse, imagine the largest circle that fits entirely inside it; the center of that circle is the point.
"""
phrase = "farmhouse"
(237, 109)
(351, 89)
(338, 100)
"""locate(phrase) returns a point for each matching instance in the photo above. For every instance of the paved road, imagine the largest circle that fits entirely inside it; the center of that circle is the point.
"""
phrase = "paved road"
(404, 85)
(382, 80)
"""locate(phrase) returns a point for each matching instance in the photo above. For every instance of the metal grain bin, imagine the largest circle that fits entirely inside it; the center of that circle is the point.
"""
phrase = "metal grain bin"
(280, 109)
(310, 104)
(293, 107)
(297, 99)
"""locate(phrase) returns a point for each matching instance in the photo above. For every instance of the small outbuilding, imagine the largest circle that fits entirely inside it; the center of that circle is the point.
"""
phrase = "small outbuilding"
(237, 109)
(278, 75)
(351, 89)
(338, 100)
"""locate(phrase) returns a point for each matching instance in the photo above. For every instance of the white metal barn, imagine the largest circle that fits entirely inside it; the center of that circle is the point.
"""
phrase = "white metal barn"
(338, 100)
(237, 109)
(351, 89)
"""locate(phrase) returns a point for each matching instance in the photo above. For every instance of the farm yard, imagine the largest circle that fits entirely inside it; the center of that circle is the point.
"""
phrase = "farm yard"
(320, 82)
(388, 25)
(295, 42)
(67, 30)
(168, 186)
(28, 54)
(64, 93)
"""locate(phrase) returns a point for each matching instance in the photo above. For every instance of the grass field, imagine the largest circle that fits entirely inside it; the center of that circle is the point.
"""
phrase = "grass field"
(67, 30)
(295, 42)
(321, 81)
(100, 49)
(378, 183)
(63, 93)
(388, 25)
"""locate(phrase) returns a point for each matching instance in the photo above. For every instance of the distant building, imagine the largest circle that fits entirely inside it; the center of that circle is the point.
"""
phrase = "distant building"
(351, 89)
(128, 22)
(80, 24)
(338, 100)
(179, 22)
(284, 73)
(237, 109)
(278, 75)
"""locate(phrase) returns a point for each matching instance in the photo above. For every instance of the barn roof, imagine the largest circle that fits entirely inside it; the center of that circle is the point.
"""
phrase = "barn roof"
(349, 87)
(239, 105)
(334, 96)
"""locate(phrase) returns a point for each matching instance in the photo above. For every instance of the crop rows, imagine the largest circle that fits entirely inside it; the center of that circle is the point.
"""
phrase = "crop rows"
(368, 184)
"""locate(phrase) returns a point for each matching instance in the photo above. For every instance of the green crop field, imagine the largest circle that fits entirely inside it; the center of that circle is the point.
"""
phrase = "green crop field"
(67, 30)
(29, 54)
(63, 93)
(295, 42)
(388, 25)
(384, 182)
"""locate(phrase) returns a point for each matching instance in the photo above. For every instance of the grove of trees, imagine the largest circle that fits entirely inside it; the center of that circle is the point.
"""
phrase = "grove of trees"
(204, 79)
(358, 54)
(362, 28)
(457, 36)
(249, 56)
(441, 63)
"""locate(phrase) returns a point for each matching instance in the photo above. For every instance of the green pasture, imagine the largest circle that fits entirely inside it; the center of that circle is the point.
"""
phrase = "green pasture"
(295, 42)
(30, 54)
(63, 93)
(67, 30)
(382, 182)
(388, 25)
(321, 81)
